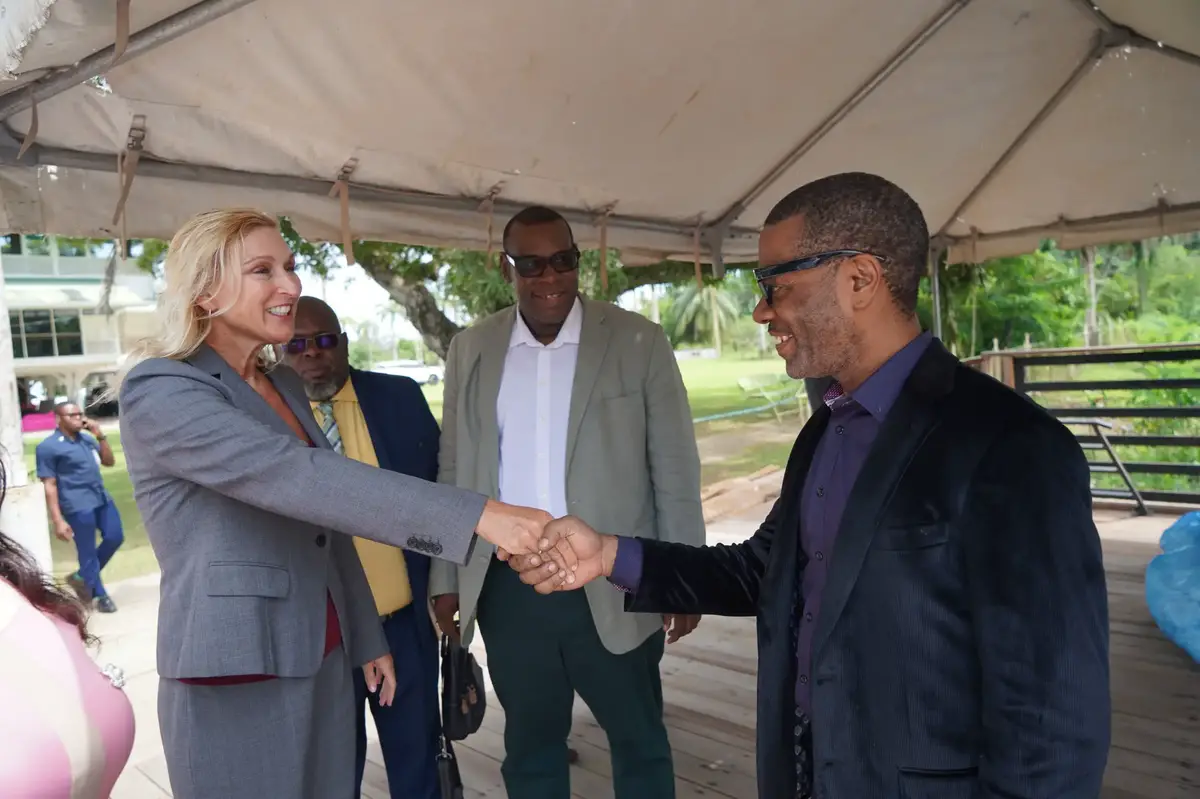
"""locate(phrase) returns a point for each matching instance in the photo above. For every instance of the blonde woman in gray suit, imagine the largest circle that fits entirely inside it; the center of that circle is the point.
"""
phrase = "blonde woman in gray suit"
(264, 609)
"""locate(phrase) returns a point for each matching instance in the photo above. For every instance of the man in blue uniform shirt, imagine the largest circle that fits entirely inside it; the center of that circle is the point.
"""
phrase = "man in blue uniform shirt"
(68, 464)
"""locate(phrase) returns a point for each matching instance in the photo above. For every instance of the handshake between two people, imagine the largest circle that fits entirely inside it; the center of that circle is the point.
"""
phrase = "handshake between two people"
(549, 554)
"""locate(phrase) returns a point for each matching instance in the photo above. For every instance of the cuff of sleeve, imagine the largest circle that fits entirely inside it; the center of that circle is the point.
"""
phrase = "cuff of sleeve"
(627, 565)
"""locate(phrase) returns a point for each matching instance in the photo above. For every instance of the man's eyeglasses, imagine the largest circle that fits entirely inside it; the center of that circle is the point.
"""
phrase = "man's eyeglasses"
(322, 341)
(765, 273)
(534, 265)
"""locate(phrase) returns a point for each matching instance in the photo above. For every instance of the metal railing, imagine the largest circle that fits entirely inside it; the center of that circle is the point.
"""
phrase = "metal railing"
(1014, 368)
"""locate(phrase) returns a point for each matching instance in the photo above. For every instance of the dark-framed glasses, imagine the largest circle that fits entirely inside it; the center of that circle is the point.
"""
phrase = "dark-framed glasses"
(763, 274)
(534, 265)
(321, 341)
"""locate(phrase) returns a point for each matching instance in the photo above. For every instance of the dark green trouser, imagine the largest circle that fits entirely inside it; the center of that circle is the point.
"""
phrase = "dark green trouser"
(541, 651)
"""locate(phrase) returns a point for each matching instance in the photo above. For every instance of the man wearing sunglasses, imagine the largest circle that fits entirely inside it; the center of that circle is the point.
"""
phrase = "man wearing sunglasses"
(572, 406)
(385, 421)
(929, 586)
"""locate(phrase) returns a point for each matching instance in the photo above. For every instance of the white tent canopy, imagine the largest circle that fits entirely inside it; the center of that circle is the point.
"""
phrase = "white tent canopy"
(1010, 121)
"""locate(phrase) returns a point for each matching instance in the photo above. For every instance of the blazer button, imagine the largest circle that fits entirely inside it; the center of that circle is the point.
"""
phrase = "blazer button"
(436, 549)
(321, 539)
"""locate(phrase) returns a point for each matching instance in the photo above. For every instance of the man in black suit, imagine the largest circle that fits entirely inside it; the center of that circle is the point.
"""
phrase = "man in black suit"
(929, 587)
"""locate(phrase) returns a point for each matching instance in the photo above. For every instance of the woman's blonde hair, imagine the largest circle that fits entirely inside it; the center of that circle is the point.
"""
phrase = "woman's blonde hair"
(202, 257)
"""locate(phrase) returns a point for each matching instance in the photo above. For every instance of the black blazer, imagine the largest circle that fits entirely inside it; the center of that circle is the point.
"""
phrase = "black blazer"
(405, 436)
(962, 646)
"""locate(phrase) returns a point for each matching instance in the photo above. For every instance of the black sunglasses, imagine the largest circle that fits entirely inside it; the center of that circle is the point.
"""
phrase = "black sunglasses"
(322, 341)
(765, 273)
(535, 265)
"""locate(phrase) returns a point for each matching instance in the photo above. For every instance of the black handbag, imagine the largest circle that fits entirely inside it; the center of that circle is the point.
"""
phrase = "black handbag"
(464, 699)
(449, 779)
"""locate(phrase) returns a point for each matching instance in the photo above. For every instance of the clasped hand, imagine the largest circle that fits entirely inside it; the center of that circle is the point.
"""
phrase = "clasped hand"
(577, 555)
(517, 530)
(574, 556)
(549, 554)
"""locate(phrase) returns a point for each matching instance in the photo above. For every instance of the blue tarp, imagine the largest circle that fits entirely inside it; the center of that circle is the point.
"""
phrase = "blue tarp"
(1173, 584)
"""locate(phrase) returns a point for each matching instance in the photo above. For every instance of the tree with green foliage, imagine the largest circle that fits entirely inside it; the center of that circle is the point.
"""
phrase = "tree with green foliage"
(997, 301)
(1146, 293)
(699, 313)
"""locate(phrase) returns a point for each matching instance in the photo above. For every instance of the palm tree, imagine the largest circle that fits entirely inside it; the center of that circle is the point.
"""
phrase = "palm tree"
(686, 317)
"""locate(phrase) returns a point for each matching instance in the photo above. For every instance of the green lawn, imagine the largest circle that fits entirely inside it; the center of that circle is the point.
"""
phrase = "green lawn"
(712, 384)
(712, 388)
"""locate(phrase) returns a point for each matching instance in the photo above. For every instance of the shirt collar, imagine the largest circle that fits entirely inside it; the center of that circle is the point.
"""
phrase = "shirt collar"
(569, 334)
(878, 392)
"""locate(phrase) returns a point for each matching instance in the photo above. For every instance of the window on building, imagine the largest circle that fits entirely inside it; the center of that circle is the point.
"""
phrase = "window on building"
(45, 333)
(10, 244)
(37, 245)
(72, 247)
(92, 248)
(68, 338)
(14, 326)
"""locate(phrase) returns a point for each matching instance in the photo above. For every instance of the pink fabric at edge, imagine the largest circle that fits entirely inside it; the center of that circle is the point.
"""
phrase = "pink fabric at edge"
(34, 761)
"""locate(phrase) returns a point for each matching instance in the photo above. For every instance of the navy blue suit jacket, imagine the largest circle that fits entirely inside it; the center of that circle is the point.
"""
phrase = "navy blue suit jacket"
(405, 437)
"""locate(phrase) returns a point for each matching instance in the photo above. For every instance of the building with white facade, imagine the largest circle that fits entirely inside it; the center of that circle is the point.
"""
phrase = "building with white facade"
(62, 343)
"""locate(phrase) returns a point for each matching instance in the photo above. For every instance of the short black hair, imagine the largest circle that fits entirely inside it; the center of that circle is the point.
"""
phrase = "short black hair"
(535, 215)
(861, 211)
(60, 407)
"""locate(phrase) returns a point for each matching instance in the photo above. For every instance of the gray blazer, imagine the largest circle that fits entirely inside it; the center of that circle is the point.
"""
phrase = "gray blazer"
(632, 463)
(251, 527)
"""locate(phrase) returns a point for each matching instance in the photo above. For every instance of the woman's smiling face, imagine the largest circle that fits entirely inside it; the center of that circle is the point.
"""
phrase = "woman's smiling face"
(260, 295)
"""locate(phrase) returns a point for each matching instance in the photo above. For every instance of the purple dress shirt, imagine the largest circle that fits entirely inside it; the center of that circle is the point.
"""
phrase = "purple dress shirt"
(853, 425)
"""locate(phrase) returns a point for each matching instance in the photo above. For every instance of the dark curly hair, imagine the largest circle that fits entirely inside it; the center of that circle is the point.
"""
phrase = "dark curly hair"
(20, 570)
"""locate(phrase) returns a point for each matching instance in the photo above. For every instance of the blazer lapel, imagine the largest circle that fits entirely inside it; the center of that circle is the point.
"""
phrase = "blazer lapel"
(908, 423)
(206, 359)
(593, 346)
(491, 369)
(304, 413)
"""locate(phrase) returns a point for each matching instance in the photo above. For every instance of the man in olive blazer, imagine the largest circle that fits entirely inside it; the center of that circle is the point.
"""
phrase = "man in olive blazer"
(620, 453)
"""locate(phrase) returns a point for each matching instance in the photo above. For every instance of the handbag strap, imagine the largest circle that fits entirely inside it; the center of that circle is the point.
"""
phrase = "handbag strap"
(443, 737)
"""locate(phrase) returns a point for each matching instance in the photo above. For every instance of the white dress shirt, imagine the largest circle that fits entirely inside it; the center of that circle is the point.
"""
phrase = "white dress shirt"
(532, 410)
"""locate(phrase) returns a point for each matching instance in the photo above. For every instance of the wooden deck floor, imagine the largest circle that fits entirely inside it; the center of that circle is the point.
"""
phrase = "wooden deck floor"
(1155, 690)
(709, 687)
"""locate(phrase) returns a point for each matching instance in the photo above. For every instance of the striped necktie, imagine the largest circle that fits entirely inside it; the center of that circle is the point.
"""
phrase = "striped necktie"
(329, 427)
